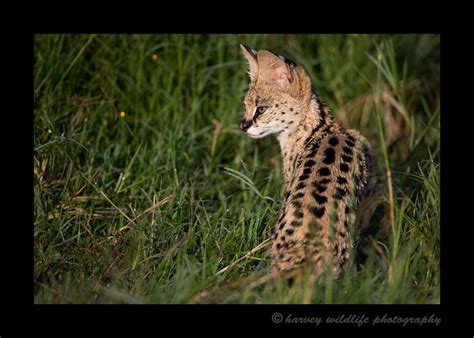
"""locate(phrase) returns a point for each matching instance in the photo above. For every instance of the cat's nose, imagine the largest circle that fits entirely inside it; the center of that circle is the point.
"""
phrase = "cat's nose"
(245, 124)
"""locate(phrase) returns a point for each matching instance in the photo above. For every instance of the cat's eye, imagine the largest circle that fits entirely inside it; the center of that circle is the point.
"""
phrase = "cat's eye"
(260, 110)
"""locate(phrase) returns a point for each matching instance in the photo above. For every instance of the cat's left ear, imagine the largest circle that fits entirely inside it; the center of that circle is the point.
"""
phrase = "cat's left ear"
(251, 56)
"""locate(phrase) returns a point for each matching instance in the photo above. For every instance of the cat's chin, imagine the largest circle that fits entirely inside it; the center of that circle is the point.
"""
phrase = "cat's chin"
(264, 134)
(256, 134)
(261, 133)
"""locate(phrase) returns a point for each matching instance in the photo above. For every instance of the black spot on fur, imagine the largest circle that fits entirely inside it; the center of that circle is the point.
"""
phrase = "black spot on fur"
(309, 163)
(296, 203)
(281, 225)
(340, 193)
(318, 212)
(300, 186)
(319, 198)
(330, 155)
(333, 141)
(307, 171)
(290, 231)
(298, 195)
(341, 180)
(350, 143)
(324, 171)
(291, 109)
(347, 150)
(346, 210)
(324, 181)
(344, 167)
(320, 188)
(312, 154)
(346, 158)
(303, 177)
(320, 185)
(314, 131)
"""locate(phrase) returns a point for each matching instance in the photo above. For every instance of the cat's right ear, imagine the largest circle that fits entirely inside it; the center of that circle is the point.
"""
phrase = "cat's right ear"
(251, 56)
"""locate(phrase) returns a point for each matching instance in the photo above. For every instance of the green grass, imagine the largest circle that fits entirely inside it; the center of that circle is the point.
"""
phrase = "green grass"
(149, 207)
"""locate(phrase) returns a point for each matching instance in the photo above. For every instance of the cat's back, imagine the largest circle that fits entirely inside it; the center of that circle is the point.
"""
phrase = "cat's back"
(317, 221)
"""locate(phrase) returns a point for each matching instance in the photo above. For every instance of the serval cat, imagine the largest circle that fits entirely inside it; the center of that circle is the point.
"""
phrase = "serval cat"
(329, 171)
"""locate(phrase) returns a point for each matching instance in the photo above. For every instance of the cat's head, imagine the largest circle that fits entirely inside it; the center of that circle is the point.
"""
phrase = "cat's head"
(278, 94)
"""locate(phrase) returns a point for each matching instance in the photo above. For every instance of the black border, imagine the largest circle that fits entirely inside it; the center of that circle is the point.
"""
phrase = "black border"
(139, 318)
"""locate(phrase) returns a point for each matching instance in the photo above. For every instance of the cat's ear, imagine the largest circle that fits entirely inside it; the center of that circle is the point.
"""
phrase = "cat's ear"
(274, 70)
(251, 56)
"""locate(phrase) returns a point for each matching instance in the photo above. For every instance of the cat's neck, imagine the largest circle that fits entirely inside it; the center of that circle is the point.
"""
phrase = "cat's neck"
(293, 143)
